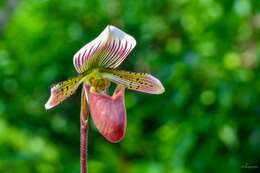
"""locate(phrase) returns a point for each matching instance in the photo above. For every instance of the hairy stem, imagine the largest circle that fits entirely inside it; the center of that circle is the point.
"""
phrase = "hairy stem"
(83, 132)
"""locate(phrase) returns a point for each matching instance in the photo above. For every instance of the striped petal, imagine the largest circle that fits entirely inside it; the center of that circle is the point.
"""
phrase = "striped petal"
(63, 90)
(108, 113)
(108, 50)
(142, 82)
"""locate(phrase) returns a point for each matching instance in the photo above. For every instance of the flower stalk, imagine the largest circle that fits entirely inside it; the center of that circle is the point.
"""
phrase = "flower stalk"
(83, 132)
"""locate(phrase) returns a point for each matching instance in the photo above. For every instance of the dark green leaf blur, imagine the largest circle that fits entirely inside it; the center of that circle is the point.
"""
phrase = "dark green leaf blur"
(205, 52)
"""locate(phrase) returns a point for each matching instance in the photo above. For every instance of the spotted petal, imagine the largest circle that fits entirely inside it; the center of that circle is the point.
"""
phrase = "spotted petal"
(108, 50)
(108, 113)
(63, 90)
(142, 82)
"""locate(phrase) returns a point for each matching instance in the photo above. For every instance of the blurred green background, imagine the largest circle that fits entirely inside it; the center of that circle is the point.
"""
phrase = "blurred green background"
(205, 52)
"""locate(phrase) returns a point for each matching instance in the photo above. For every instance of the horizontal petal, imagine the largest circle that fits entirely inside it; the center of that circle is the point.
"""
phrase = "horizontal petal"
(108, 113)
(108, 50)
(142, 82)
(63, 90)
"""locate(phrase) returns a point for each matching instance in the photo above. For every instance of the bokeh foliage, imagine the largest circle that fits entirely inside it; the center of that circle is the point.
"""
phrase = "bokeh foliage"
(206, 53)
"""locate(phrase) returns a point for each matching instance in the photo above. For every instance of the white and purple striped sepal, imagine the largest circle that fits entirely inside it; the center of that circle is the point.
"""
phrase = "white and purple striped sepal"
(108, 50)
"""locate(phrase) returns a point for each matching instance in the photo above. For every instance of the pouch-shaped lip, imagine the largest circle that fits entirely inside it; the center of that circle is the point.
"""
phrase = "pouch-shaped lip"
(108, 113)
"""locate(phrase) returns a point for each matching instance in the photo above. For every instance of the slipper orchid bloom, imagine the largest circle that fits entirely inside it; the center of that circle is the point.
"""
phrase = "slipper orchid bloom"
(96, 64)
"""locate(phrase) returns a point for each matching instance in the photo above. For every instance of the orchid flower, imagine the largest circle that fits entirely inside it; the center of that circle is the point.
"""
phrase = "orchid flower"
(97, 63)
